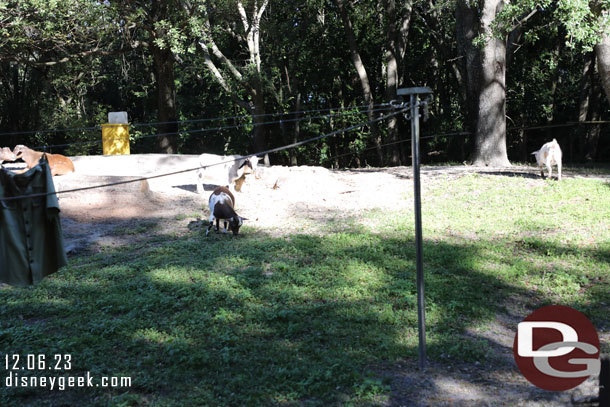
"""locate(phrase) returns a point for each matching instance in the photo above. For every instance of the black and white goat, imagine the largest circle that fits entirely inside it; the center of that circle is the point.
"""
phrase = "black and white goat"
(222, 206)
(230, 169)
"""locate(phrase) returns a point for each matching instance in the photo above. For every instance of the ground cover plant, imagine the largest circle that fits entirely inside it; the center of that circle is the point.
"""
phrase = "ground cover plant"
(307, 319)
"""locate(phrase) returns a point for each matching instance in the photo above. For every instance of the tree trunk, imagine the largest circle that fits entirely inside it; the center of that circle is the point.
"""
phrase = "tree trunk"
(467, 31)
(556, 77)
(396, 41)
(520, 135)
(296, 132)
(290, 132)
(231, 75)
(252, 30)
(163, 63)
(362, 75)
(592, 131)
(602, 50)
(259, 141)
(391, 77)
(584, 103)
(166, 100)
(490, 134)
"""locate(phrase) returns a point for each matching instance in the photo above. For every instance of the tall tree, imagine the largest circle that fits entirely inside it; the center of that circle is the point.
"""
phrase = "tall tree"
(602, 51)
(467, 30)
(397, 22)
(163, 61)
(485, 68)
(365, 83)
(45, 34)
(48, 60)
(157, 22)
(586, 22)
(65, 63)
(490, 130)
(589, 109)
(239, 23)
(486, 25)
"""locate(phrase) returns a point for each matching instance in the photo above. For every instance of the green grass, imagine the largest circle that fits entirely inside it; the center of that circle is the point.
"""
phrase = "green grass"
(301, 320)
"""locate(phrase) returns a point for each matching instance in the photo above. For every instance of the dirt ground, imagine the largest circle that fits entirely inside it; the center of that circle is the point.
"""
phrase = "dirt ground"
(287, 200)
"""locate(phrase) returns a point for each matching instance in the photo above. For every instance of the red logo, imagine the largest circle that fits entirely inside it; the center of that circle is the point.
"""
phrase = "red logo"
(556, 348)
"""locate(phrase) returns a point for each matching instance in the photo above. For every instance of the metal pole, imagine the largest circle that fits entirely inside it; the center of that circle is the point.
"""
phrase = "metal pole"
(421, 313)
(604, 382)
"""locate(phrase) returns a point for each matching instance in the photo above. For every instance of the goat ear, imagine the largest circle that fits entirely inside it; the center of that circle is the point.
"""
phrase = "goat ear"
(244, 218)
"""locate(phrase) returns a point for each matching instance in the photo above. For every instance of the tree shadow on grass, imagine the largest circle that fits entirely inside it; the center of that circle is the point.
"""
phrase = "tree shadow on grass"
(99, 235)
(513, 174)
(298, 320)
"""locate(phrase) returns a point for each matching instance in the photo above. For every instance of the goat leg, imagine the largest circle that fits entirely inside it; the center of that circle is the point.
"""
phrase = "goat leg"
(211, 223)
(209, 227)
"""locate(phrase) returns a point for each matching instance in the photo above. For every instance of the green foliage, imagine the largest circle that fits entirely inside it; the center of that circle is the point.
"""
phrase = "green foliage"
(65, 64)
(33, 28)
(583, 20)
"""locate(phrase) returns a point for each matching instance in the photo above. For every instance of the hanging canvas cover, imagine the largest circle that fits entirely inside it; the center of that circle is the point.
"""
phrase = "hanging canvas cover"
(31, 238)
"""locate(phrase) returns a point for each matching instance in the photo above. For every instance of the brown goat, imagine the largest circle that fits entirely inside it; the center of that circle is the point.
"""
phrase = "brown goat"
(6, 155)
(59, 164)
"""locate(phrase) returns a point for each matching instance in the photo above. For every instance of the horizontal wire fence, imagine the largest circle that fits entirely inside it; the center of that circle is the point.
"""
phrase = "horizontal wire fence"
(362, 108)
(332, 112)
(401, 109)
(216, 129)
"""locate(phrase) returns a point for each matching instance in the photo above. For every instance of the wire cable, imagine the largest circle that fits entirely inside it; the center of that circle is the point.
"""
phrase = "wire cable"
(273, 150)
(215, 129)
(365, 107)
(17, 133)
(461, 133)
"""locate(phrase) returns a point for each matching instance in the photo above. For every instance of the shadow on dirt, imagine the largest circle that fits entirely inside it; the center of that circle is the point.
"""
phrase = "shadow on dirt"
(193, 188)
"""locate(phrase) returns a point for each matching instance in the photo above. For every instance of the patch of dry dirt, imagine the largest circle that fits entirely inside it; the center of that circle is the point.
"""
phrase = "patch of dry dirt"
(281, 201)
(473, 385)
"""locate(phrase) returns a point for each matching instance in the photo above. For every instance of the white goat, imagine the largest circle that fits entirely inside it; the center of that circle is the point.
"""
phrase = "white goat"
(222, 206)
(548, 155)
(232, 168)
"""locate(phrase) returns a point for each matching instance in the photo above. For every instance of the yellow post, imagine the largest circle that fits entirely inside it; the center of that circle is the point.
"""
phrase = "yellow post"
(115, 139)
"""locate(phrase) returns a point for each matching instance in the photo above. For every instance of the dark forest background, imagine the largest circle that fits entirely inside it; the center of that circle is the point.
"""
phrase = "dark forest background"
(64, 65)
